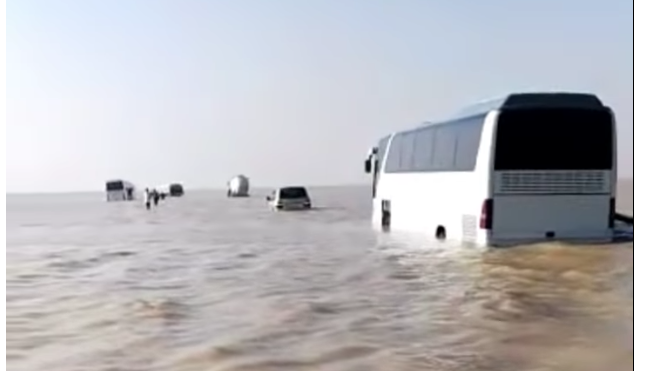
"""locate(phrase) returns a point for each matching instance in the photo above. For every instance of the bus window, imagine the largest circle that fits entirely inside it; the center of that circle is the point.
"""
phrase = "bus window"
(554, 139)
(114, 186)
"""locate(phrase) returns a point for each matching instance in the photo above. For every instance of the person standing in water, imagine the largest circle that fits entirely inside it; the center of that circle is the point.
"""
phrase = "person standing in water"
(155, 197)
(147, 199)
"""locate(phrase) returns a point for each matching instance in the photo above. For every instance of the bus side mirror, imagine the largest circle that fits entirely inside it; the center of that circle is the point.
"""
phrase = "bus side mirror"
(367, 166)
(268, 198)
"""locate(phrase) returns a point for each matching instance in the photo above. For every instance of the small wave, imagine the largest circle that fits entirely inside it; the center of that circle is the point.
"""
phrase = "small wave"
(323, 308)
(119, 254)
(74, 264)
(234, 359)
(165, 308)
(33, 225)
(404, 276)
(202, 357)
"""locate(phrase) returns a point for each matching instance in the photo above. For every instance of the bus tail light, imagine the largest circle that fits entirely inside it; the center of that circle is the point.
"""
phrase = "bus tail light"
(487, 215)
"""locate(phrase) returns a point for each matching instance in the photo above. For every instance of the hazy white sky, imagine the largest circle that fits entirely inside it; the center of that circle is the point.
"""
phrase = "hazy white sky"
(285, 91)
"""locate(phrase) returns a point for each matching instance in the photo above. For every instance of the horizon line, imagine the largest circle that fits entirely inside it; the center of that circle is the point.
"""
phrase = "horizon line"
(33, 193)
(187, 188)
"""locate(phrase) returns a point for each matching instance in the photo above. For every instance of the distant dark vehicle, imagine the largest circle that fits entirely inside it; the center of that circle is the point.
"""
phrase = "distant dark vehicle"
(170, 190)
(176, 190)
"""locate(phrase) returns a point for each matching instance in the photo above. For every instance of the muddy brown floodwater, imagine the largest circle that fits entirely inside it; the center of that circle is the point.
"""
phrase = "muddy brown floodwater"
(209, 283)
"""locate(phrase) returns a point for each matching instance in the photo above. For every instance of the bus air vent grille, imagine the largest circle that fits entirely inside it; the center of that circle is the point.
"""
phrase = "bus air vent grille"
(580, 182)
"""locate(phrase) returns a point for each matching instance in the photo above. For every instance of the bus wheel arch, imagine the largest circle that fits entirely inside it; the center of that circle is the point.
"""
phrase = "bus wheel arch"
(440, 233)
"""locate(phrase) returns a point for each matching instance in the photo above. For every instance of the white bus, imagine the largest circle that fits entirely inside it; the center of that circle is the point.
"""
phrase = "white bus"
(119, 190)
(527, 168)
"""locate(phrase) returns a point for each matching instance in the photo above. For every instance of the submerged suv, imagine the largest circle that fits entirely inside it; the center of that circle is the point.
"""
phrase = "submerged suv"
(290, 198)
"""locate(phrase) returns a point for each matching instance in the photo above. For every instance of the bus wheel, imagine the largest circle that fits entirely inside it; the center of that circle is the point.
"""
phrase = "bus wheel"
(386, 215)
(441, 233)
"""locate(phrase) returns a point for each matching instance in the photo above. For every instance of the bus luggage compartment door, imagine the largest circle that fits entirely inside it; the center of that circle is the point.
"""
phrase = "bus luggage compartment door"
(546, 217)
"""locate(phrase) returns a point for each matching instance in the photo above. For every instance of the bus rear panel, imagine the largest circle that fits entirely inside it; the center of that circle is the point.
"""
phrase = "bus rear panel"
(553, 176)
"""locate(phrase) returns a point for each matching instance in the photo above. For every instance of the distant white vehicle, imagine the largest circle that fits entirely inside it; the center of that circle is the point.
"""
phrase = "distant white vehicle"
(530, 167)
(290, 198)
(119, 190)
(238, 187)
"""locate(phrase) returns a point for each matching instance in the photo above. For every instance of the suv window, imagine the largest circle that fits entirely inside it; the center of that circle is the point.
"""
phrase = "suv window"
(293, 192)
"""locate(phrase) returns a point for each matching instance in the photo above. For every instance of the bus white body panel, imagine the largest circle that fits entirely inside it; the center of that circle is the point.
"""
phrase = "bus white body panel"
(113, 196)
(424, 201)
(238, 187)
(119, 190)
(580, 210)
(493, 199)
(452, 202)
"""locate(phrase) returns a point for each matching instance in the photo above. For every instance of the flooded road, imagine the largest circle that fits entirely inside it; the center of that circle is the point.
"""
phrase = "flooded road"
(210, 283)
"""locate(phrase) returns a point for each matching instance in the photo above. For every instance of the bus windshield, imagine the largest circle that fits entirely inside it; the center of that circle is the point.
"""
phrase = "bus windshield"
(554, 139)
(115, 186)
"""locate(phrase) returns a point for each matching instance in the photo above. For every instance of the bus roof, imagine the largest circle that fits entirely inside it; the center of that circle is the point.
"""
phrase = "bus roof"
(533, 100)
(118, 181)
(516, 101)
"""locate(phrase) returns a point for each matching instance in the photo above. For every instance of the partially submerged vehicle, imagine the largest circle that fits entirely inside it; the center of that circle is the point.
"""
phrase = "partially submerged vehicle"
(520, 169)
(119, 190)
(176, 190)
(171, 190)
(290, 198)
(238, 187)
